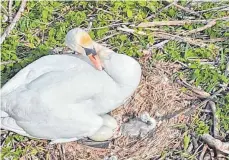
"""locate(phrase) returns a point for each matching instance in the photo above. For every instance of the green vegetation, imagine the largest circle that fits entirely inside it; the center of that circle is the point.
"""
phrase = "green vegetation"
(44, 24)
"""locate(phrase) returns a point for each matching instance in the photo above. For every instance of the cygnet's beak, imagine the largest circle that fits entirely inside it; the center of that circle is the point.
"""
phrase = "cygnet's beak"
(94, 58)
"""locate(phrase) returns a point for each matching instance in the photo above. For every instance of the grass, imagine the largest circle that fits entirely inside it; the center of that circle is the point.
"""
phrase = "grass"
(44, 25)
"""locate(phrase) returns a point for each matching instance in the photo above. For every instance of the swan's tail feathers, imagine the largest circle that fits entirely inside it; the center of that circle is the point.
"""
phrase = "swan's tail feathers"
(10, 124)
(3, 109)
(4, 114)
(3, 103)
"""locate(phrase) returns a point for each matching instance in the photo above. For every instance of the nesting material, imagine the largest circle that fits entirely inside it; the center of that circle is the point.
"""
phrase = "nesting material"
(158, 96)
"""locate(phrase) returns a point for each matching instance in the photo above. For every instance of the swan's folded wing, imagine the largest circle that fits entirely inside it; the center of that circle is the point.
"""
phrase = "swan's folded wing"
(57, 105)
(67, 86)
(41, 66)
(63, 122)
(68, 121)
(10, 124)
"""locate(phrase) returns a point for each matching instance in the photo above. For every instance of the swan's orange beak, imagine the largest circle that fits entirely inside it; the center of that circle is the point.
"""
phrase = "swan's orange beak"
(86, 40)
(94, 58)
(96, 61)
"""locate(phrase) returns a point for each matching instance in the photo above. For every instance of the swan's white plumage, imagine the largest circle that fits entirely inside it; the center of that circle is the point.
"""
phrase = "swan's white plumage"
(61, 97)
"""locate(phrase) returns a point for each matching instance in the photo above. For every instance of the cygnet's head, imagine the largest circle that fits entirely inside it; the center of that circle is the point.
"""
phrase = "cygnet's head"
(79, 41)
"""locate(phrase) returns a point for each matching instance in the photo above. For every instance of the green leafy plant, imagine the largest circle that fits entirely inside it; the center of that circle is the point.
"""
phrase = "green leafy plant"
(44, 24)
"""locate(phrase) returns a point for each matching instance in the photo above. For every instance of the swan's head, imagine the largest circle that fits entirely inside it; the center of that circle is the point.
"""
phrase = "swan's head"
(79, 41)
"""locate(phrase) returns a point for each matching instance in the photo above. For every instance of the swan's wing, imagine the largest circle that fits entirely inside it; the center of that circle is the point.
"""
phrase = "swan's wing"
(68, 121)
(41, 66)
(54, 120)
(69, 86)
(10, 124)
(57, 104)
(77, 122)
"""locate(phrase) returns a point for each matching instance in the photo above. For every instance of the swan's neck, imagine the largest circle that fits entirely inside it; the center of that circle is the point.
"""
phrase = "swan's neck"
(124, 70)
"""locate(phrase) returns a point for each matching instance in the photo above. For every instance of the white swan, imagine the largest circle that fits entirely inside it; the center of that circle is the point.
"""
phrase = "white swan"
(64, 98)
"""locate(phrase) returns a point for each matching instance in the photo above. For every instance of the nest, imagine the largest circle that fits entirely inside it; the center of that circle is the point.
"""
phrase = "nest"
(158, 95)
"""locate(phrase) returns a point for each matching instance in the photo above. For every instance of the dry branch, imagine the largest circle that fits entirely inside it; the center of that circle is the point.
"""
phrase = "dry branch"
(216, 40)
(226, 73)
(10, 10)
(61, 151)
(160, 44)
(3, 9)
(166, 7)
(194, 141)
(209, 25)
(200, 93)
(203, 152)
(214, 9)
(169, 23)
(177, 23)
(131, 31)
(163, 35)
(111, 25)
(12, 25)
(89, 25)
(216, 144)
(107, 37)
(215, 119)
(9, 62)
(187, 10)
(192, 41)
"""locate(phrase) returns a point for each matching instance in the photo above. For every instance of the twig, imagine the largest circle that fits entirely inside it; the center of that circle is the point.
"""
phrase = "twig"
(4, 9)
(163, 35)
(16, 18)
(166, 7)
(159, 45)
(148, 53)
(226, 73)
(181, 63)
(3, 139)
(213, 9)
(169, 23)
(205, 111)
(225, 9)
(224, 87)
(203, 152)
(61, 151)
(90, 24)
(209, 25)
(107, 37)
(131, 31)
(8, 62)
(215, 143)
(198, 59)
(187, 10)
(201, 94)
(194, 141)
(10, 10)
(192, 41)
(190, 148)
(197, 149)
(177, 23)
(111, 25)
(215, 120)
(216, 40)
(105, 11)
